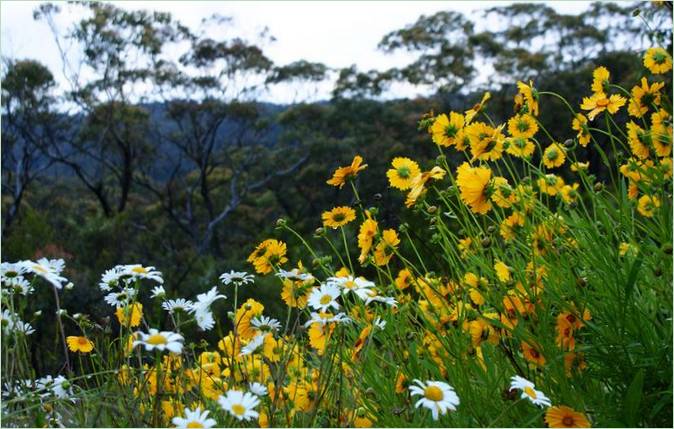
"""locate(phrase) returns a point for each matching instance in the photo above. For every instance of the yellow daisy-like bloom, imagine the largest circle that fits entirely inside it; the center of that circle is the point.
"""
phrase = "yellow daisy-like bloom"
(130, 315)
(503, 194)
(565, 417)
(643, 97)
(272, 348)
(385, 248)
(419, 183)
(296, 294)
(569, 193)
(661, 138)
(404, 279)
(657, 60)
(502, 271)
(520, 147)
(248, 310)
(462, 141)
(486, 143)
(647, 205)
(473, 183)
(599, 102)
(338, 217)
(368, 229)
(319, 334)
(507, 228)
(342, 174)
(473, 111)
(267, 254)
(530, 96)
(554, 155)
(532, 354)
(79, 344)
(403, 172)
(580, 166)
(523, 126)
(639, 140)
(550, 184)
(445, 130)
(579, 124)
(600, 80)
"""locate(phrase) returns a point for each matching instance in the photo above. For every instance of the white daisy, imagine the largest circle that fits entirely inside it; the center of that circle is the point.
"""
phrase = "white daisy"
(529, 392)
(17, 284)
(160, 340)
(172, 305)
(122, 298)
(137, 271)
(295, 275)
(265, 324)
(358, 285)
(110, 278)
(252, 345)
(325, 318)
(9, 270)
(239, 278)
(381, 324)
(202, 308)
(158, 292)
(194, 419)
(240, 405)
(258, 389)
(437, 396)
(324, 297)
(12, 323)
(49, 270)
(373, 296)
(59, 386)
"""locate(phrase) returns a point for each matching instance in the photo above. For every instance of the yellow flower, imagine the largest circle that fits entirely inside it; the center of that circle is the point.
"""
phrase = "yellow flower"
(368, 229)
(403, 172)
(507, 228)
(319, 334)
(599, 102)
(473, 111)
(295, 294)
(267, 254)
(554, 155)
(523, 126)
(580, 166)
(502, 271)
(386, 247)
(643, 97)
(550, 184)
(473, 183)
(565, 417)
(639, 140)
(79, 344)
(248, 310)
(486, 143)
(532, 354)
(579, 124)
(272, 348)
(404, 279)
(657, 60)
(569, 193)
(530, 96)
(600, 80)
(338, 217)
(342, 174)
(130, 315)
(419, 182)
(647, 205)
(628, 248)
(519, 147)
(445, 129)
(503, 194)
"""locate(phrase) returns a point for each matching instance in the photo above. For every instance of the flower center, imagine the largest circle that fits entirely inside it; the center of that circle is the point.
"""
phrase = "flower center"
(552, 154)
(194, 425)
(568, 421)
(531, 392)
(659, 57)
(404, 172)
(82, 341)
(433, 393)
(39, 268)
(522, 126)
(156, 339)
(238, 409)
(451, 131)
(338, 217)
(602, 102)
(139, 270)
(325, 299)
(349, 284)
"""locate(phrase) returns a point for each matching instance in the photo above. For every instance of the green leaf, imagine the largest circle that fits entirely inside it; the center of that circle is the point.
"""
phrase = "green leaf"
(633, 398)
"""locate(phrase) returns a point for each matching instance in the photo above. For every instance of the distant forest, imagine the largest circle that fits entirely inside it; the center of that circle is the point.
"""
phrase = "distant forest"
(174, 162)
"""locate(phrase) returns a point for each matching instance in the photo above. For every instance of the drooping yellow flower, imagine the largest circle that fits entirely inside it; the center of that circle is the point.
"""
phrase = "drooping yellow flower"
(569, 193)
(130, 315)
(599, 102)
(404, 279)
(419, 183)
(600, 80)
(338, 217)
(579, 124)
(445, 130)
(247, 311)
(267, 254)
(502, 271)
(342, 174)
(639, 140)
(79, 344)
(580, 166)
(507, 228)
(661, 133)
(319, 334)
(296, 293)
(473, 183)
(529, 95)
(403, 172)
(644, 97)
(386, 247)
(272, 348)
(550, 184)
(657, 60)
(554, 155)
(503, 194)
(647, 205)
(519, 147)
(523, 126)
(565, 417)
(368, 229)
(473, 111)
(486, 142)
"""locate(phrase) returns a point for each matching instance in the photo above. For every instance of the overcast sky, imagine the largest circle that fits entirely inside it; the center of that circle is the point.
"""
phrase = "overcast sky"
(337, 34)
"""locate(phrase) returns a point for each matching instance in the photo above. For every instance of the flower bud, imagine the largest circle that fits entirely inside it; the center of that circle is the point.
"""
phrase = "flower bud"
(486, 242)
(432, 209)
(280, 222)
(61, 312)
(378, 196)
(70, 286)
(598, 187)
(38, 313)
(491, 229)
(568, 142)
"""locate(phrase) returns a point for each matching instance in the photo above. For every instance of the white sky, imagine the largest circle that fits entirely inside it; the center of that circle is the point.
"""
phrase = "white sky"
(337, 34)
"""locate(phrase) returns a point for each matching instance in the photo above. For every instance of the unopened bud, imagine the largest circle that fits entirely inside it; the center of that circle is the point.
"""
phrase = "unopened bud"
(61, 312)
(568, 142)
(77, 316)
(281, 222)
(486, 242)
(69, 286)
(378, 196)
(432, 209)
(598, 187)
(38, 313)
(491, 229)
